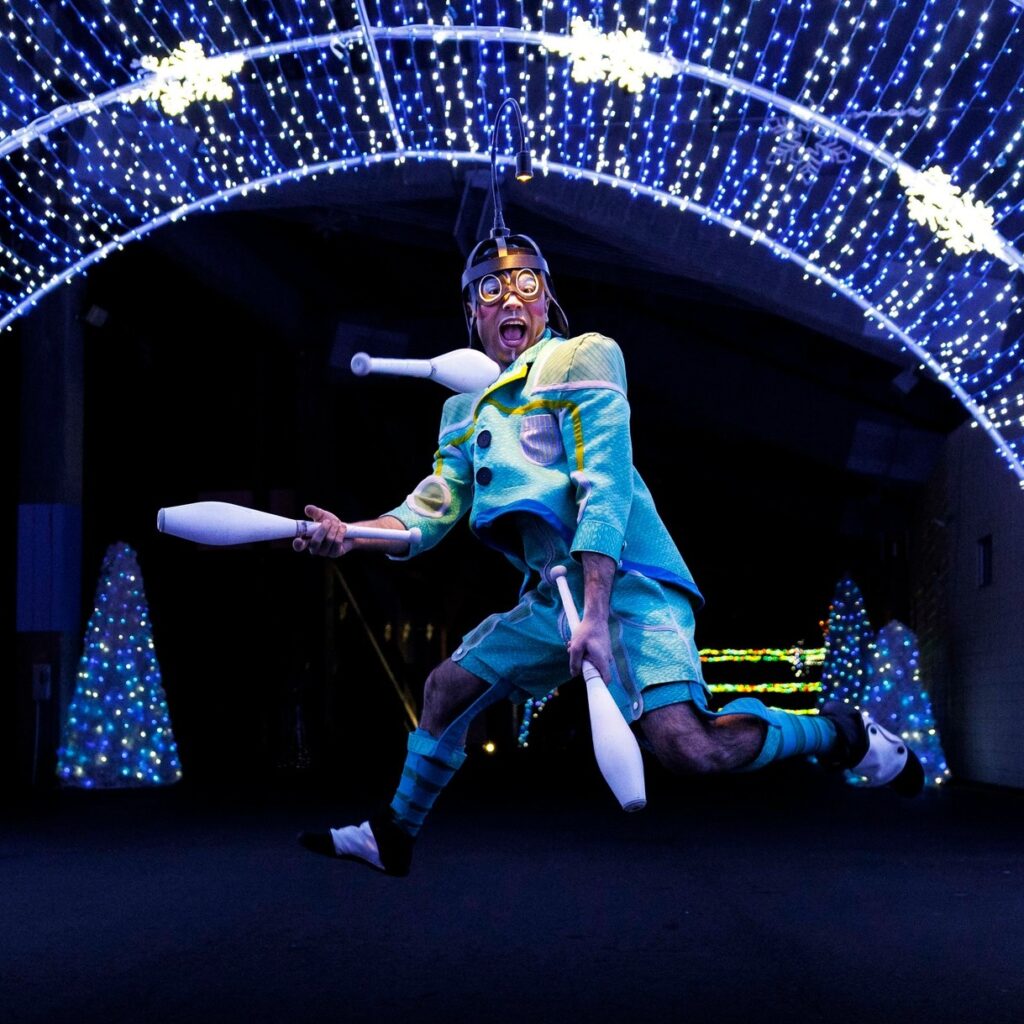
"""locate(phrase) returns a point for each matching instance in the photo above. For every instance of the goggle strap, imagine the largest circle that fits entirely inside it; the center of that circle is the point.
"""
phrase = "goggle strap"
(510, 261)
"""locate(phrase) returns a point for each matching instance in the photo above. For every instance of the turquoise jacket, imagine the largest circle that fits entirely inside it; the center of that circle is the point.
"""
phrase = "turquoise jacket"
(549, 438)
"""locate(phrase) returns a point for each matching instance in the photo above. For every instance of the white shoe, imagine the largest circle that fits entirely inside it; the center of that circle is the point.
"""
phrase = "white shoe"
(357, 841)
(880, 757)
(886, 754)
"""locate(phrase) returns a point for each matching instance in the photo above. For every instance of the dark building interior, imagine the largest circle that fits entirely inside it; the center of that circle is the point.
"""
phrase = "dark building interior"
(216, 366)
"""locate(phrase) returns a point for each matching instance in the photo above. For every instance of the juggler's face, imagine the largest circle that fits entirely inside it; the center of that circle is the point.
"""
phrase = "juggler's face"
(510, 322)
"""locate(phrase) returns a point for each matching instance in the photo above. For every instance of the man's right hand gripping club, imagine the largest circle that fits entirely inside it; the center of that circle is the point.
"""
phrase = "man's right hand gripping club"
(329, 539)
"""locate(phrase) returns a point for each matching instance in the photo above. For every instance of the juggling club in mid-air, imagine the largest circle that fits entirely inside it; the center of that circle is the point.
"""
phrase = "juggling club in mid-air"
(466, 369)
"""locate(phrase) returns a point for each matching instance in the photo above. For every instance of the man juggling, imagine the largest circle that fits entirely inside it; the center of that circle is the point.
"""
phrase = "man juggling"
(541, 461)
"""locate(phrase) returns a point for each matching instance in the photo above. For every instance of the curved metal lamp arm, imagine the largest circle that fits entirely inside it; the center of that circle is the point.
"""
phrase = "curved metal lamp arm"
(524, 170)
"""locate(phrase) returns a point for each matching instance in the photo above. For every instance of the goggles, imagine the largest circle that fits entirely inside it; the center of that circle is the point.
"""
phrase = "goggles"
(525, 283)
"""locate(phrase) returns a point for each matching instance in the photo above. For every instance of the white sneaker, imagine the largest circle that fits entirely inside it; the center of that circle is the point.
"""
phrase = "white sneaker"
(877, 755)
(357, 841)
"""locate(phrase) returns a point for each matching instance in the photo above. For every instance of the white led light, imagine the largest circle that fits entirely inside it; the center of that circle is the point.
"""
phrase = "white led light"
(677, 105)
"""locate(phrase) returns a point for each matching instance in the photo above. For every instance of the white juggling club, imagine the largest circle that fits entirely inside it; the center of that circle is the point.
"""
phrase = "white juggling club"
(220, 523)
(615, 746)
(466, 369)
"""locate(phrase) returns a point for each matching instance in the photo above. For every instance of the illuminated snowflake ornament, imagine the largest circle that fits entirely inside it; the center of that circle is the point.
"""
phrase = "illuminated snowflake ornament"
(962, 223)
(620, 57)
(186, 77)
(802, 149)
(332, 88)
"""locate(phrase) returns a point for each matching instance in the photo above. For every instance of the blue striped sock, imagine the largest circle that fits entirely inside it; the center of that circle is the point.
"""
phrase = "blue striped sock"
(787, 735)
(429, 767)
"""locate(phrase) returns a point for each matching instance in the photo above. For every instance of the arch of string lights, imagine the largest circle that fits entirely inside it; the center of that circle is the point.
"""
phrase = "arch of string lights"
(876, 144)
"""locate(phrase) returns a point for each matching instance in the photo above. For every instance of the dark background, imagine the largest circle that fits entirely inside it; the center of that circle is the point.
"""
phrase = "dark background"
(216, 367)
(216, 355)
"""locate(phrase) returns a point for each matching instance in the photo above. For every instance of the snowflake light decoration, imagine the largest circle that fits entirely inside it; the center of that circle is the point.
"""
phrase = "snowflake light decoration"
(333, 87)
(620, 57)
(807, 152)
(185, 77)
(962, 223)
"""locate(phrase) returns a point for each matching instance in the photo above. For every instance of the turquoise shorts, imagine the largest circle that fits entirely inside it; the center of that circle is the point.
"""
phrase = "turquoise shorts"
(656, 661)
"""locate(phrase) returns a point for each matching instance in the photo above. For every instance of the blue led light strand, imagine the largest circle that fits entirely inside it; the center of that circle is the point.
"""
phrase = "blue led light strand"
(85, 171)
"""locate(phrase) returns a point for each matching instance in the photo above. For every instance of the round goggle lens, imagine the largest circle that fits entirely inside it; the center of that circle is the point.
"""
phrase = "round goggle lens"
(490, 288)
(525, 283)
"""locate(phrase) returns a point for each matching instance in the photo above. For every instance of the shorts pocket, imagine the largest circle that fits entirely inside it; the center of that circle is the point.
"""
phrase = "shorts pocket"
(642, 603)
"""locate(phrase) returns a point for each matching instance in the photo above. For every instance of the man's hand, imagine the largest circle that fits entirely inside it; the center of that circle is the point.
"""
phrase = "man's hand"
(592, 640)
(328, 539)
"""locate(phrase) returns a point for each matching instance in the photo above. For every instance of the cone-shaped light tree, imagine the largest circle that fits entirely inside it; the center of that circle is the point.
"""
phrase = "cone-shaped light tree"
(897, 698)
(847, 645)
(117, 730)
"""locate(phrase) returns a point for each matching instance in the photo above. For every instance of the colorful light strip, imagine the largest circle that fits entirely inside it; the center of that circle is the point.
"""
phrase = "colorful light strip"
(792, 655)
(779, 688)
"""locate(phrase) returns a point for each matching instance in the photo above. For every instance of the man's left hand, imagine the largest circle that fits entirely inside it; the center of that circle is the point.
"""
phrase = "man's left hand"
(592, 642)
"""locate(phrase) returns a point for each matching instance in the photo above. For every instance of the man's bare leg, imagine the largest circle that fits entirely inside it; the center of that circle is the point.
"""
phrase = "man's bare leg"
(452, 698)
(747, 735)
(687, 744)
(448, 691)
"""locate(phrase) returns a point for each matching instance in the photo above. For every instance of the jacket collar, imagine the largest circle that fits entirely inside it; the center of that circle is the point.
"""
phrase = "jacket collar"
(519, 367)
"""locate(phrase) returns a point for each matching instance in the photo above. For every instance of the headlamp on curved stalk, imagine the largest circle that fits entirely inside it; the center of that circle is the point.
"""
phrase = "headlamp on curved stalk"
(506, 252)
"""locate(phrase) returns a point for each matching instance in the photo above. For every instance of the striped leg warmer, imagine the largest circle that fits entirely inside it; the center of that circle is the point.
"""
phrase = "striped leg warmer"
(787, 735)
(429, 767)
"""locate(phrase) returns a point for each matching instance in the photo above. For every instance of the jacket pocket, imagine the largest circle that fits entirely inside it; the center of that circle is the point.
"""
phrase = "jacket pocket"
(540, 438)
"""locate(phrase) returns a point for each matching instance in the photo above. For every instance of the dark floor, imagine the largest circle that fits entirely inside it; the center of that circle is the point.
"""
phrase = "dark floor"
(785, 896)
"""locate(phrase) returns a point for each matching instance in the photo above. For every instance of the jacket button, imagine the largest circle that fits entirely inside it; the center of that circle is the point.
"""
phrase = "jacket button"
(483, 475)
(483, 439)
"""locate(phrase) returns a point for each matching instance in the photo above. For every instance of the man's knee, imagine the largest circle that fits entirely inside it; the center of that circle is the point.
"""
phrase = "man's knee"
(684, 757)
(448, 690)
(683, 742)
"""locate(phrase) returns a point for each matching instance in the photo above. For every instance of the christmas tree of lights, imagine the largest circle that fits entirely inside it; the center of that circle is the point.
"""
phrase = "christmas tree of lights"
(896, 698)
(881, 675)
(117, 732)
(847, 645)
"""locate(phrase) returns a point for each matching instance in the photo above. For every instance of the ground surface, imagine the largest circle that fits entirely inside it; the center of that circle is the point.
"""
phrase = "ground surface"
(784, 896)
